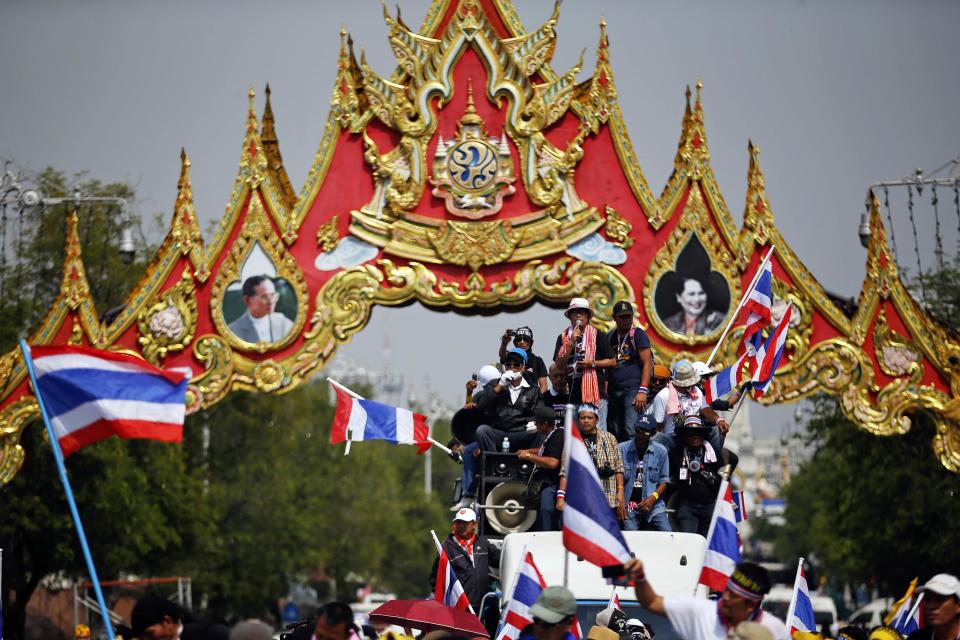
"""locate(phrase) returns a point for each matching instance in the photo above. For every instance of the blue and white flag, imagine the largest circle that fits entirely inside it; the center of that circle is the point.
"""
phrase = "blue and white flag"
(769, 355)
(757, 306)
(723, 542)
(724, 382)
(907, 619)
(739, 505)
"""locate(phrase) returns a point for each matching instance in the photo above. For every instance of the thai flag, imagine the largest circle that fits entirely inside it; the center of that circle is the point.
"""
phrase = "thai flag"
(757, 306)
(769, 354)
(516, 615)
(908, 618)
(91, 395)
(448, 589)
(614, 600)
(723, 543)
(724, 382)
(739, 505)
(369, 420)
(800, 614)
(590, 529)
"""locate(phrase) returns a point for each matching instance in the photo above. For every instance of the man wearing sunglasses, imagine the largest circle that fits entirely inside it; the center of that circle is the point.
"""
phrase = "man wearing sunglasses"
(553, 613)
(508, 404)
(260, 322)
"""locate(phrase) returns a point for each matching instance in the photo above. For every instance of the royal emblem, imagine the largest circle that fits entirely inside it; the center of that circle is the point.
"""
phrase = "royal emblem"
(473, 172)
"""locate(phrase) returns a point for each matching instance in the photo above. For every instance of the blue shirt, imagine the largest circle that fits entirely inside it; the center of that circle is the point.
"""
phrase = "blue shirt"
(656, 469)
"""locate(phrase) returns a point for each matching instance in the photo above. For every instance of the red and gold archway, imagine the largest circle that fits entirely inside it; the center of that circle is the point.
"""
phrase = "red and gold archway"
(476, 177)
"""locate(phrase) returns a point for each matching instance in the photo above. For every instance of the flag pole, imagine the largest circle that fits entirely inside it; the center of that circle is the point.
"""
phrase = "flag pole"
(436, 541)
(513, 589)
(793, 599)
(916, 604)
(567, 440)
(721, 495)
(62, 470)
(354, 394)
(733, 317)
(736, 409)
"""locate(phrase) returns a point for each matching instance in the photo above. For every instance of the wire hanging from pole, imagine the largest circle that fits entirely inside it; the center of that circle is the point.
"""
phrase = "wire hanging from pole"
(956, 204)
(936, 216)
(893, 236)
(916, 243)
(3, 249)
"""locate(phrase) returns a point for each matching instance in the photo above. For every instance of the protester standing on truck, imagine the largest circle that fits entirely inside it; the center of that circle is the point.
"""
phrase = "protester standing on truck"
(472, 557)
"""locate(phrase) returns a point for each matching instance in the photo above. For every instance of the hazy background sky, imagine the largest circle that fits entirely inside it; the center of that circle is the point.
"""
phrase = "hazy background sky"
(836, 94)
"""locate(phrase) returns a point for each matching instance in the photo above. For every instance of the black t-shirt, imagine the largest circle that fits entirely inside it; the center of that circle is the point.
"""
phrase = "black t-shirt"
(695, 487)
(559, 403)
(552, 447)
(574, 376)
(629, 369)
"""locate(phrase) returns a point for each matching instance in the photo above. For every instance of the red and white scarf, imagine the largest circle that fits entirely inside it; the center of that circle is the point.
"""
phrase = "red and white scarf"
(589, 385)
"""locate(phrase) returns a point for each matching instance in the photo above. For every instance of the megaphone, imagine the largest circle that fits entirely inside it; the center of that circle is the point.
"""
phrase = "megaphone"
(505, 511)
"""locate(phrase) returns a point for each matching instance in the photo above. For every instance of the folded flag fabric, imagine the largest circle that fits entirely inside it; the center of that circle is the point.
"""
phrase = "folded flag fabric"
(724, 382)
(723, 543)
(905, 616)
(739, 505)
(757, 307)
(359, 420)
(769, 355)
(516, 615)
(801, 616)
(590, 529)
(448, 589)
(91, 395)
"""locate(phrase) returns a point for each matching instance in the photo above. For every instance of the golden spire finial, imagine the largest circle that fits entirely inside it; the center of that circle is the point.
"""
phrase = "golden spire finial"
(687, 94)
(251, 110)
(184, 158)
(470, 115)
(603, 22)
(699, 87)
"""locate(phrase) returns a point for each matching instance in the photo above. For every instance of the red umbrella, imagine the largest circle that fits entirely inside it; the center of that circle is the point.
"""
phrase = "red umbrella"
(429, 615)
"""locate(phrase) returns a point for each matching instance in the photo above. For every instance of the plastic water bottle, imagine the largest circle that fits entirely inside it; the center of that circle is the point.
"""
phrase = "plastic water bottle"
(505, 445)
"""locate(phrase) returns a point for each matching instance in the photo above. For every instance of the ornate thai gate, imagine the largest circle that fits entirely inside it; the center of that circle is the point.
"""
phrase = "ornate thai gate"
(477, 178)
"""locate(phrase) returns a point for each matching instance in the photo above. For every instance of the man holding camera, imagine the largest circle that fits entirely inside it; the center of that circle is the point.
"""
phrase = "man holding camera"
(536, 371)
(695, 476)
(605, 452)
(508, 404)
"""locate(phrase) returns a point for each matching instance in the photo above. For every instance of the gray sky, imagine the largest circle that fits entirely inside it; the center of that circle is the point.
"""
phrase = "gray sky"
(836, 94)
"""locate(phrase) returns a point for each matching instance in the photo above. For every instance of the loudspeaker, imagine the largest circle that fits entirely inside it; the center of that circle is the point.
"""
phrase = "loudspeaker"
(503, 478)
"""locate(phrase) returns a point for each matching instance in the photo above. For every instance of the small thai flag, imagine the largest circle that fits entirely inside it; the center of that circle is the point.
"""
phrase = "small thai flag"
(516, 615)
(448, 589)
(590, 529)
(369, 420)
(757, 307)
(91, 395)
(800, 614)
(769, 355)
(739, 505)
(724, 382)
(908, 618)
(723, 542)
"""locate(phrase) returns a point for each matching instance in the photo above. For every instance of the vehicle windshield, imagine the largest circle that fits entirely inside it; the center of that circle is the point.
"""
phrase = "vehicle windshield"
(587, 613)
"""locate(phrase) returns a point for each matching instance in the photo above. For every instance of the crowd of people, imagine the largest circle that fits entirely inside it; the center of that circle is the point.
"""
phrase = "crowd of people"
(652, 436)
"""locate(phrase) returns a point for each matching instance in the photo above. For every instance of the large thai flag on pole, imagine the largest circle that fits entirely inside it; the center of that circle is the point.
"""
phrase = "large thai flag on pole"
(758, 304)
(723, 542)
(448, 589)
(358, 420)
(91, 395)
(590, 529)
(800, 613)
(726, 381)
(769, 355)
(516, 615)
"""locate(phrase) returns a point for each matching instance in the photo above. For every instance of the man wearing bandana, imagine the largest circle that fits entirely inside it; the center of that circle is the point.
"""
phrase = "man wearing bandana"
(700, 619)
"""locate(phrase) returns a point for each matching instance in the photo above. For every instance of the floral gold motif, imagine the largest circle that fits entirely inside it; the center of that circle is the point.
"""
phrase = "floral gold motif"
(474, 244)
(328, 235)
(618, 228)
(168, 324)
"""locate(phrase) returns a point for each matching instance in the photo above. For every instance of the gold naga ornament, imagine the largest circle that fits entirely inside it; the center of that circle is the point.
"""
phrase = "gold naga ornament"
(482, 180)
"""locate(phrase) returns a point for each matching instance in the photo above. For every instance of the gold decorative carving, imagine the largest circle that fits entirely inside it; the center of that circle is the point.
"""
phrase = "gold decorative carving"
(893, 351)
(13, 420)
(257, 230)
(474, 244)
(214, 383)
(694, 221)
(168, 324)
(268, 376)
(328, 235)
(618, 228)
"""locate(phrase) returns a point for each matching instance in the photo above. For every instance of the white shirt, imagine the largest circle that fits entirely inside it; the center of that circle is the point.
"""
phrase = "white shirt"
(697, 619)
(262, 325)
(515, 390)
(688, 406)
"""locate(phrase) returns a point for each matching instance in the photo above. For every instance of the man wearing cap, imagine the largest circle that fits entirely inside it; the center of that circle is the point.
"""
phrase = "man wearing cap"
(473, 558)
(605, 452)
(646, 475)
(941, 609)
(470, 456)
(553, 613)
(334, 622)
(639, 631)
(695, 477)
(507, 405)
(156, 618)
(536, 371)
(701, 619)
(682, 397)
(629, 382)
(584, 354)
(546, 458)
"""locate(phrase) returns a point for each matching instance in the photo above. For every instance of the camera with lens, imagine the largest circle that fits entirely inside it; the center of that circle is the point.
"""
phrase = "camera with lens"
(695, 466)
(511, 332)
(606, 472)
